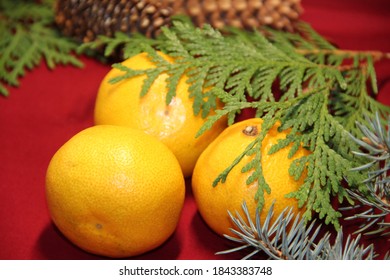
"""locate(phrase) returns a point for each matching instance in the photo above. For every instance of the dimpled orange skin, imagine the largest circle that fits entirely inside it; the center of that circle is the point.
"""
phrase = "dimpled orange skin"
(174, 124)
(214, 202)
(115, 191)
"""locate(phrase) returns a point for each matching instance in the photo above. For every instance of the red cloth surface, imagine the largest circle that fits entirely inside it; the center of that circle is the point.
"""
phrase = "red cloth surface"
(49, 107)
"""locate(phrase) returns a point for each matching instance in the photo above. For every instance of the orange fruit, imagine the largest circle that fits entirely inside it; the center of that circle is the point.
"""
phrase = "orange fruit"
(174, 124)
(214, 202)
(115, 191)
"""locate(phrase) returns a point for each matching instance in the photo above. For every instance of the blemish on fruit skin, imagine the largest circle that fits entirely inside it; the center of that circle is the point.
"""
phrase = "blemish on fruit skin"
(99, 226)
(250, 130)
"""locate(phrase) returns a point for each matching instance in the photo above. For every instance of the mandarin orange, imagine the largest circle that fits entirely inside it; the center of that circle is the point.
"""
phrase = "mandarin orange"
(174, 124)
(214, 202)
(115, 191)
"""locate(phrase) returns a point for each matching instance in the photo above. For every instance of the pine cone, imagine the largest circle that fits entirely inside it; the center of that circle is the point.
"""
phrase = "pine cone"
(85, 19)
(246, 14)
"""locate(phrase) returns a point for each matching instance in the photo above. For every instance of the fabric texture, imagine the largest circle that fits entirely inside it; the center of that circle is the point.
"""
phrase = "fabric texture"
(49, 107)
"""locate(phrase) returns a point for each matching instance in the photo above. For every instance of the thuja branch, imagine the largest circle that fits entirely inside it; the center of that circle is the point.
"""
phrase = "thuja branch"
(310, 124)
(376, 55)
(241, 64)
(27, 37)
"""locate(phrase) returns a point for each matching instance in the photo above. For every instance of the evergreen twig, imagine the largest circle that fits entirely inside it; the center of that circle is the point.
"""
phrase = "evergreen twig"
(290, 238)
(323, 93)
(27, 36)
(319, 98)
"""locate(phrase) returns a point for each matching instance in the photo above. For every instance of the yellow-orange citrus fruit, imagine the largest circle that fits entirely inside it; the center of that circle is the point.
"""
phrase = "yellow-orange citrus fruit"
(215, 202)
(174, 124)
(115, 191)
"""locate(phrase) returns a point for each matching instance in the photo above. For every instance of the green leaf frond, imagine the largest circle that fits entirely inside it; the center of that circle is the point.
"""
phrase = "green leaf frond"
(330, 160)
(26, 10)
(254, 166)
(314, 89)
(121, 45)
(241, 63)
(310, 125)
(26, 37)
(288, 237)
(308, 38)
(355, 102)
(251, 64)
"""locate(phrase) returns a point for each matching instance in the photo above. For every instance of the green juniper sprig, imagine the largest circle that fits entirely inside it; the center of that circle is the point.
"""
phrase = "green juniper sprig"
(311, 126)
(349, 104)
(118, 47)
(27, 36)
(290, 238)
(320, 96)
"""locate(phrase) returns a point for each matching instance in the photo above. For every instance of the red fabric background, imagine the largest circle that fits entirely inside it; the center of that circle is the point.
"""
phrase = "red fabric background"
(51, 106)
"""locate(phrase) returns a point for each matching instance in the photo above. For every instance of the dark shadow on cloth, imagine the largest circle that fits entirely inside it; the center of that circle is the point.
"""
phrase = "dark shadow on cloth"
(53, 245)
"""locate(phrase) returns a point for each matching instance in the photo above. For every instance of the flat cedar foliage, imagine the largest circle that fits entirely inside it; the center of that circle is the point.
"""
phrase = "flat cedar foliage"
(322, 92)
(27, 37)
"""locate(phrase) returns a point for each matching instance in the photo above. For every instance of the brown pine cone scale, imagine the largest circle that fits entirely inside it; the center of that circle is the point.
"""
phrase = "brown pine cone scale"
(85, 19)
